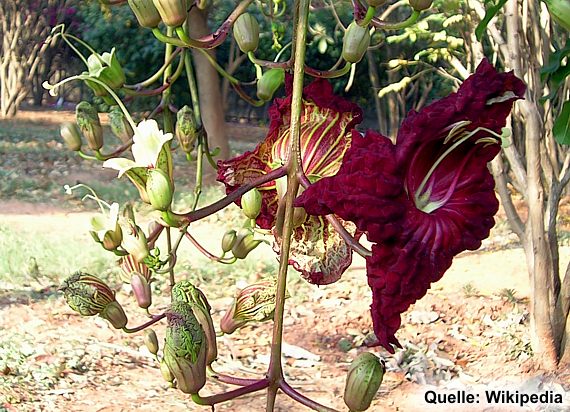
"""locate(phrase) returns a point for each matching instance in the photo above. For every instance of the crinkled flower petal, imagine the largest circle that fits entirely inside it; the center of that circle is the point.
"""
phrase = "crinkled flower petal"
(318, 251)
(326, 126)
(427, 198)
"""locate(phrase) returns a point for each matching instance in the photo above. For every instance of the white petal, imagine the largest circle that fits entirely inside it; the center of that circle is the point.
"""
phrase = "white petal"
(121, 164)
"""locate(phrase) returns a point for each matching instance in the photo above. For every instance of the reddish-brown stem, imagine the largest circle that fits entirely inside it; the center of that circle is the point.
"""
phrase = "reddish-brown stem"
(231, 380)
(152, 237)
(233, 196)
(148, 92)
(287, 389)
(203, 250)
(226, 396)
(154, 319)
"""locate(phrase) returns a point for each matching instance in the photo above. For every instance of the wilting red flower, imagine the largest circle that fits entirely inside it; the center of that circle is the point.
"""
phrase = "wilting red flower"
(425, 199)
(327, 122)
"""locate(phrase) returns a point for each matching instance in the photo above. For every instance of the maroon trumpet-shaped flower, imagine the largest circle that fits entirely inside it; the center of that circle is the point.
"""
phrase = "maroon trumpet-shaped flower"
(327, 123)
(425, 199)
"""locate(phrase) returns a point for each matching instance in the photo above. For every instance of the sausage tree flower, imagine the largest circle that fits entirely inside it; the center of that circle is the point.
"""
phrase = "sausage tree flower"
(327, 123)
(105, 228)
(151, 151)
(425, 199)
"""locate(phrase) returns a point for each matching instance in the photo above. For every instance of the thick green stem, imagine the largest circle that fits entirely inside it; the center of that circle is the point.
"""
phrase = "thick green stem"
(166, 114)
(294, 164)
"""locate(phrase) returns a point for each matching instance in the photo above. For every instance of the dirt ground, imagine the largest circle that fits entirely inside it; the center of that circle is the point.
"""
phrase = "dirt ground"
(469, 333)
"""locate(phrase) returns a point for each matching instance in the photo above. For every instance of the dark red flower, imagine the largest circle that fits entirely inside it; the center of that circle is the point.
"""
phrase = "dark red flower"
(425, 199)
(327, 123)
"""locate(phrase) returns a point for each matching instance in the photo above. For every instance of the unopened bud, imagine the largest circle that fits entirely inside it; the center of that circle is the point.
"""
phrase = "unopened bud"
(251, 203)
(229, 240)
(89, 124)
(420, 5)
(244, 244)
(151, 341)
(254, 303)
(71, 136)
(364, 377)
(165, 372)
(89, 295)
(355, 43)
(185, 291)
(159, 189)
(185, 348)
(172, 12)
(145, 12)
(246, 32)
(120, 126)
(269, 83)
(141, 290)
(186, 132)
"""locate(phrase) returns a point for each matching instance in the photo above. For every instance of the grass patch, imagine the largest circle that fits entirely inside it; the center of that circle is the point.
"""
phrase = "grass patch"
(30, 254)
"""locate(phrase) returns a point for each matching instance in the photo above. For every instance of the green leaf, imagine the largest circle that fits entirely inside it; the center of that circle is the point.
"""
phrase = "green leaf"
(561, 128)
(555, 61)
(489, 14)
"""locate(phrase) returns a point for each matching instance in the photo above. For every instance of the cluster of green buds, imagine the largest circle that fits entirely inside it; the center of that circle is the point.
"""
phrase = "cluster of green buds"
(186, 129)
(246, 33)
(185, 348)
(240, 243)
(254, 303)
(364, 377)
(87, 119)
(89, 296)
(150, 13)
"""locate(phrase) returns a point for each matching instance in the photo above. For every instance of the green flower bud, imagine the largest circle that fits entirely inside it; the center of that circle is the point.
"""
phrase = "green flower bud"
(269, 83)
(186, 132)
(229, 240)
(246, 32)
(254, 303)
(106, 67)
(135, 243)
(355, 42)
(151, 341)
(420, 5)
(251, 203)
(244, 244)
(560, 12)
(159, 189)
(185, 291)
(115, 314)
(141, 290)
(145, 12)
(364, 377)
(172, 12)
(89, 295)
(165, 372)
(99, 91)
(71, 136)
(88, 121)
(120, 126)
(185, 348)
(112, 239)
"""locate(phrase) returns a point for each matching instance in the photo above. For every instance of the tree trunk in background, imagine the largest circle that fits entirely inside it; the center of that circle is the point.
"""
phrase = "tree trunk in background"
(375, 82)
(211, 102)
(539, 170)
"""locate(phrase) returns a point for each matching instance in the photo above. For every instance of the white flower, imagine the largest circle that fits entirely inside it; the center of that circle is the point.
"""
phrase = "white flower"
(103, 223)
(148, 141)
